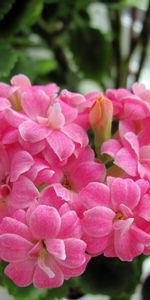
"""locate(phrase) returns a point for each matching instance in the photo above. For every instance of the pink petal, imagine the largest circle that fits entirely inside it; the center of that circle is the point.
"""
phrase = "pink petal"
(124, 191)
(42, 280)
(33, 132)
(95, 194)
(143, 185)
(75, 253)
(96, 246)
(140, 235)
(87, 172)
(131, 141)
(14, 247)
(126, 161)
(123, 225)
(135, 109)
(4, 162)
(56, 247)
(10, 225)
(145, 152)
(74, 272)
(21, 162)
(49, 197)
(55, 110)
(70, 226)
(21, 273)
(70, 113)
(21, 81)
(4, 104)
(35, 103)
(111, 147)
(126, 246)
(73, 99)
(23, 193)
(14, 118)
(143, 209)
(63, 192)
(61, 144)
(97, 221)
(44, 222)
(76, 133)
(126, 126)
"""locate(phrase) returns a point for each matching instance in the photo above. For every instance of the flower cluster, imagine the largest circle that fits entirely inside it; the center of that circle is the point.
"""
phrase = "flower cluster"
(59, 205)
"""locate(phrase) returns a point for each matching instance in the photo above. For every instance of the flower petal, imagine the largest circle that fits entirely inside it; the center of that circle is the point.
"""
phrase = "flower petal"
(14, 247)
(124, 191)
(23, 193)
(21, 162)
(33, 132)
(61, 144)
(44, 222)
(126, 246)
(56, 247)
(21, 273)
(42, 280)
(97, 221)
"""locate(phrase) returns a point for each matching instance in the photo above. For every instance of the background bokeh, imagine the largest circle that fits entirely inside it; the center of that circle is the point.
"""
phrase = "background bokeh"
(81, 45)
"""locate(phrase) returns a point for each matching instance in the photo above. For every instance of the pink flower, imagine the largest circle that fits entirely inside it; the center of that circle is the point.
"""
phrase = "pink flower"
(71, 178)
(82, 103)
(114, 218)
(46, 250)
(128, 105)
(38, 124)
(129, 153)
(12, 168)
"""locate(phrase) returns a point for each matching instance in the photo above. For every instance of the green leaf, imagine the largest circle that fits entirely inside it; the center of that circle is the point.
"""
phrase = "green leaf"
(8, 58)
(58, 293)
(91, 51)
(5, 6)
(111, 277)
(45, 66)
(23, 13)
(33, 67)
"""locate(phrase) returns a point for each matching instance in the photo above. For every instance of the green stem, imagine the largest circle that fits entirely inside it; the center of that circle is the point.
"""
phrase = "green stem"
(115, 19)
(57, 48)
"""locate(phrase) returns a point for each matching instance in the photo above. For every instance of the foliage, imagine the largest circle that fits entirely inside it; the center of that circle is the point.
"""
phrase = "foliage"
(52, 40)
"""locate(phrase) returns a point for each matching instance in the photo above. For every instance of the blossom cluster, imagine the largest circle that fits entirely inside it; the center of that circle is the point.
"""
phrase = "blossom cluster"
(60, 204)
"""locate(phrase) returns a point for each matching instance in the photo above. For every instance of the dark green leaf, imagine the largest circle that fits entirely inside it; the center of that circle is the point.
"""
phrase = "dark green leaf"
(22, 13)
(5, 6)
(8, 58)
(91, 51)
(111, 277)
(26, 65)
(58, 293)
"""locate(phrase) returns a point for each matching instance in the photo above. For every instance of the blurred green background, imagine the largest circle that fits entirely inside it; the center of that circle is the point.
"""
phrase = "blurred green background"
(80, 44)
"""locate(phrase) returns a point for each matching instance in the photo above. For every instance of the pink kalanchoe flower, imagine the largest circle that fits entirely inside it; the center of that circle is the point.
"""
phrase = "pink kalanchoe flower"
(111, 218)
(20, 177)
(44, 251)
(82, 103)
(37, 123)
(71, 178)
(13, 164)
(128, 152)
(128, 105)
